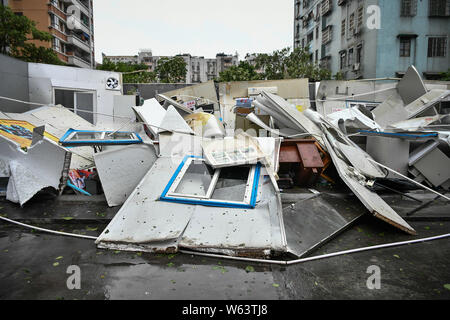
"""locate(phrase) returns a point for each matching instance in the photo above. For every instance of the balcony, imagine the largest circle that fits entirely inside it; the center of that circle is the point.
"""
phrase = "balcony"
(74, 23)
(77, 42)
(82, 7)
(78, 61)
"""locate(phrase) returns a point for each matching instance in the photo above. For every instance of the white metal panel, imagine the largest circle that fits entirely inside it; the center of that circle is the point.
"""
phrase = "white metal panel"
(152, 113)
(372, 201)
(143, 219)
(237, 230)
(173, 121)
(40, 167)
(119, 173)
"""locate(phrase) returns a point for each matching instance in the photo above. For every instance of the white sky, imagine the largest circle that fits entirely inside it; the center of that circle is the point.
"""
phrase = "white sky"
(198, 27)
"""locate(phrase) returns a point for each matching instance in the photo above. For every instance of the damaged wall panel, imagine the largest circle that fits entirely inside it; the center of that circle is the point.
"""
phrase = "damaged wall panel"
(39, 167)
(119, 173)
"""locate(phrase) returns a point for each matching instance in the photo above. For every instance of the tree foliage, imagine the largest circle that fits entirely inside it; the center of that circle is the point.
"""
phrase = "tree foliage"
(287, 64)
(243, 72)
(445, 76)
(171, 70)
(133, 72)
(15, 34)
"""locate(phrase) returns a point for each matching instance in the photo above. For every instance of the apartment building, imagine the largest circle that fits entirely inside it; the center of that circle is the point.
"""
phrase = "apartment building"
(198, 68)
(375, 38)
(69, 21)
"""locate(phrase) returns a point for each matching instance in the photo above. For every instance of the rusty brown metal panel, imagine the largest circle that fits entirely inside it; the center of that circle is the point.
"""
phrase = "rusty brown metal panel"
(309, 155)
(289, 154)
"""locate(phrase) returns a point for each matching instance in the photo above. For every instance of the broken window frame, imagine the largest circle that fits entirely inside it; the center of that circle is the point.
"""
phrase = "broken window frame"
(249, 199)
(66, 140)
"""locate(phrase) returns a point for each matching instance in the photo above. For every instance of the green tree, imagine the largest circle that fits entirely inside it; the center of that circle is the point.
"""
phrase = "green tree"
(171, 70)
(132, 72)
(445, 76)
(15, 34)
(243, 72)
(287, 64)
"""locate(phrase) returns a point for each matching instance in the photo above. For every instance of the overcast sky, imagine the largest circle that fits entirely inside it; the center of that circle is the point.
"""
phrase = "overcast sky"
(198, 27)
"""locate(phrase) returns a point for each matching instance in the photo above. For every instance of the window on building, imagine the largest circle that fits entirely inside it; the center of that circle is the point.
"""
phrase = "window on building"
(360, 16)
(18, 13)
(56, 44)
(437, 47)
(317, 32)
(77, 101)
(408, 8)
(343, 59)
(359, 54)
(343, 28)
(350, 57)
(405, 47)
(439, 8)
(309, 37)
(303, 42)
(351, 23)
(317, 56)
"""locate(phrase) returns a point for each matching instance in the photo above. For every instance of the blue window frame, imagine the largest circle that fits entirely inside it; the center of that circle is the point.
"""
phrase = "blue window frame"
(76, 138)
(205, 193)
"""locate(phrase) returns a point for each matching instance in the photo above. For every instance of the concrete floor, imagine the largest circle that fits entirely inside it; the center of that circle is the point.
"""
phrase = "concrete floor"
(33, 265)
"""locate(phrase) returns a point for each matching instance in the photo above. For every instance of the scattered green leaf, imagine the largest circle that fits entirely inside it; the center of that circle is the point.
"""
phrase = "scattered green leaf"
(91, 229)
(59, 258)
(447, 286)
(397, 256)
(250, 269)
(276, 285)
(67, 218)
(170, 264)
(56, 264)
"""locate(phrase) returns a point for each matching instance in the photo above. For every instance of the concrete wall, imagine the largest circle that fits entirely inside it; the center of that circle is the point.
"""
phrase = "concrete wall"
(149, 90)
(13, 84)
(388, 60)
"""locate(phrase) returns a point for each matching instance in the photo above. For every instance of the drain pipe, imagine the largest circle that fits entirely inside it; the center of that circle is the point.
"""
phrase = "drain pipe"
(323, 256)
(279, 262)
(48, 230)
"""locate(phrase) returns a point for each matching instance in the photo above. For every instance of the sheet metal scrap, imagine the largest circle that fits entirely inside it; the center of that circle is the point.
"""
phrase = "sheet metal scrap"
(119, 173)
(147, 224)
(42, 165)
(355, 169)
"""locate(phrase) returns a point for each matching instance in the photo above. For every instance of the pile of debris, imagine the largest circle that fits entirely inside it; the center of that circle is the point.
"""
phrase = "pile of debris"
(184, 182)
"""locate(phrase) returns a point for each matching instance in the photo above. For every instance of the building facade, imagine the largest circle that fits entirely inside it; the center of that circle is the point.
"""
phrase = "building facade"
(71, 22)
(375, 38)
(198, 69)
